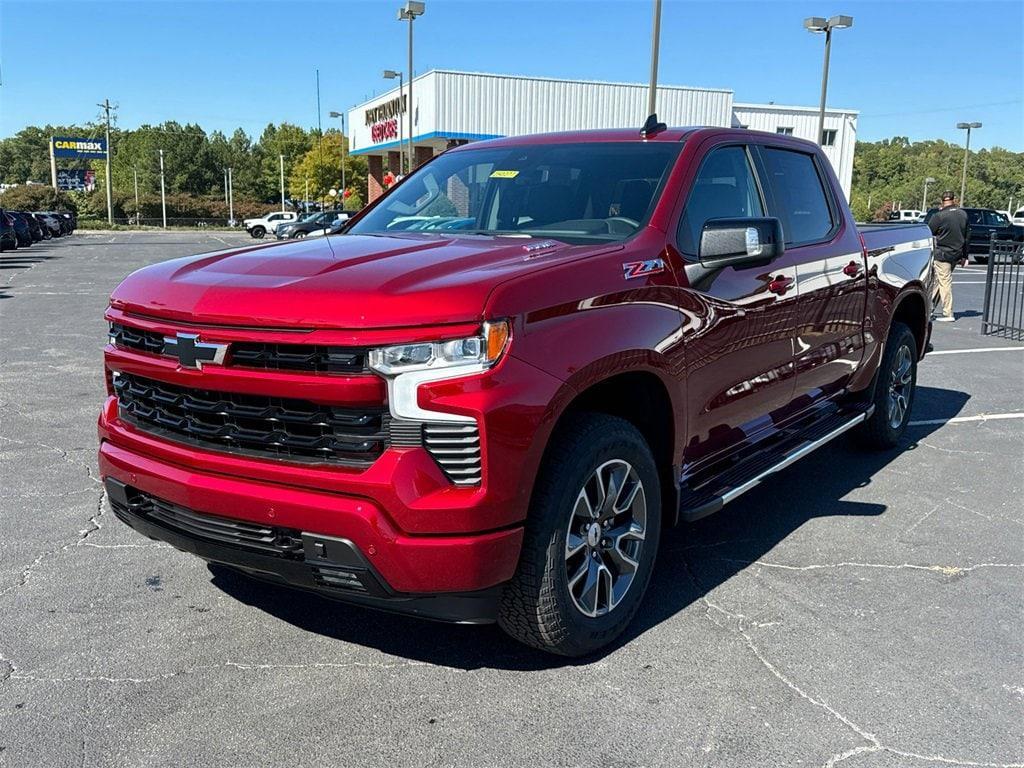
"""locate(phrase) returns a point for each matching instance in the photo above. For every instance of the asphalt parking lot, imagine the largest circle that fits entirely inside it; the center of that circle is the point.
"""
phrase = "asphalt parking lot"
(863, 610)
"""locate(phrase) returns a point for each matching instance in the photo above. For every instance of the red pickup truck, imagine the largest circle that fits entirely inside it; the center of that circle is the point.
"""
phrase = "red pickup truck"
(489, 396)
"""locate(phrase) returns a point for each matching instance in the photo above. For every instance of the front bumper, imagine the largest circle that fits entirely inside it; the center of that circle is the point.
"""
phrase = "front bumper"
(331, 566)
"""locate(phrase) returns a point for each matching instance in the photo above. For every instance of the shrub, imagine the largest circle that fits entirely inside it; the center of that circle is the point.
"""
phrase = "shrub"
(36, 197)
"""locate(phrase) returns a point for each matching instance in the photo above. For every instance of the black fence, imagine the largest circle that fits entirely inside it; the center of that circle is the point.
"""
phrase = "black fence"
(1003, 312)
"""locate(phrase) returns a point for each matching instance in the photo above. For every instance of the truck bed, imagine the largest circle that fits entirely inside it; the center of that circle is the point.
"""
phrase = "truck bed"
(886, 234)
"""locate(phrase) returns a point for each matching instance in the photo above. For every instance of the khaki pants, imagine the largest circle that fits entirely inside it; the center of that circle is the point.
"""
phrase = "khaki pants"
(943, 271)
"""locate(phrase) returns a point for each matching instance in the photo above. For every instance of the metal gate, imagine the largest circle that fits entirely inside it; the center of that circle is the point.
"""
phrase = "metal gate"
(1003, 312)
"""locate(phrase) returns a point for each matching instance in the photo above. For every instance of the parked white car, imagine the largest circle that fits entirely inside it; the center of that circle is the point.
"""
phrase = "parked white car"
(1018, 217)
(907, 214)
(268, 223)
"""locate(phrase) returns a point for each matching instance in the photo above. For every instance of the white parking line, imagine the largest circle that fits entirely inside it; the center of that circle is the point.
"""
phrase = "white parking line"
(965, 419)
(975, 349)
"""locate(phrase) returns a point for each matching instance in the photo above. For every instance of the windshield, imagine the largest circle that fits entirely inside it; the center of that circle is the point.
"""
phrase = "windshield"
(578, 193)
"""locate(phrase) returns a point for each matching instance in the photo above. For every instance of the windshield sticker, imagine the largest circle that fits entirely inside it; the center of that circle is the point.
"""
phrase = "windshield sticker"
(504, 174)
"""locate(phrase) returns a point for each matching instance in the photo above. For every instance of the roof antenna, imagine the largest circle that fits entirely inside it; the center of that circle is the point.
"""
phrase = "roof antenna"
(652, 127)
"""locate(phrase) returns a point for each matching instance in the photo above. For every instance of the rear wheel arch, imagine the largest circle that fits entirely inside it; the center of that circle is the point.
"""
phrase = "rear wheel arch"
(912, 310)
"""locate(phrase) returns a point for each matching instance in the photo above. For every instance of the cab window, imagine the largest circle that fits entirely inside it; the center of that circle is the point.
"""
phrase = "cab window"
(724, 189)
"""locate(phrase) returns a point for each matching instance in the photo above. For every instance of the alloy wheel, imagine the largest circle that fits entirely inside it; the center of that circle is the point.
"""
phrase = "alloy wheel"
(901, 385)
(605, 538)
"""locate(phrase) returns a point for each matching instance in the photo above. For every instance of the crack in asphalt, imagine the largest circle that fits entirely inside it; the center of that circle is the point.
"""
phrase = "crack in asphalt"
(12, 672)
(61, 452)
(92, 525)
(735, 623)
(945, 570)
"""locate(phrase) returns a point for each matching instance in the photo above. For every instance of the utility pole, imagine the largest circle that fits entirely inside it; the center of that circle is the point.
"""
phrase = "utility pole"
(231, 198)
(163, 192)
(281, 158)
(135, 172)
(655, 41)
(110, 205)
(225, 187)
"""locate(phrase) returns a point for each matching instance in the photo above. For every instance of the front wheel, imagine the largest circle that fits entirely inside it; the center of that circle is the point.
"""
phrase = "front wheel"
(894, 390)
(258, 232)
(590, 542)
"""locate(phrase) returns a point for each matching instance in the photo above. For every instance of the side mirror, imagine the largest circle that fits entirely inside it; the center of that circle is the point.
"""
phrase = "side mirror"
(726, 242)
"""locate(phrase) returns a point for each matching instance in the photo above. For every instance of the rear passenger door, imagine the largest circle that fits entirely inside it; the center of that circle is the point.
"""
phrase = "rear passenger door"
(830, 270)
(738, 320)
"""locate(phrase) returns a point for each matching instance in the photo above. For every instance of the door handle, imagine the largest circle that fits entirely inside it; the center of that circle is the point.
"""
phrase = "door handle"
(852, 269)
(780, 284)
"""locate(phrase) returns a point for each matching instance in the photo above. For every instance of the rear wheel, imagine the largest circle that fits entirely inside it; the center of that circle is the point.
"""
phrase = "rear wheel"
(590, 542)
(894, 390)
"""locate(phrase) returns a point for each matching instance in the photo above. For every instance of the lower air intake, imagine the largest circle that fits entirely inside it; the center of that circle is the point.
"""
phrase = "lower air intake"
(456, 448)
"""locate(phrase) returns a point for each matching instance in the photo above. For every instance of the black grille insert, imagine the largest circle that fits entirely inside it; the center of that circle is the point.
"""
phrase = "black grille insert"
(253, 424)
(311, 358)
(265, 539)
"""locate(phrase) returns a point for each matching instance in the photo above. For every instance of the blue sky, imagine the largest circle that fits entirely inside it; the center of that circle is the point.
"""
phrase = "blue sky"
(911, 68)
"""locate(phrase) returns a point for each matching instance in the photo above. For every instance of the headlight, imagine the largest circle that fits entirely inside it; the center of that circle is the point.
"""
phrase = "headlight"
(483, 350)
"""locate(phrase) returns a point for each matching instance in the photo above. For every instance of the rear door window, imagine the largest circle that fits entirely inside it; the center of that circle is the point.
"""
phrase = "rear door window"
(801, 202)
(724, 189)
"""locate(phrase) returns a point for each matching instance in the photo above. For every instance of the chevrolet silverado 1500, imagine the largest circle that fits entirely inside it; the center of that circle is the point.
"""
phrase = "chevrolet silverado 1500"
(488, 397)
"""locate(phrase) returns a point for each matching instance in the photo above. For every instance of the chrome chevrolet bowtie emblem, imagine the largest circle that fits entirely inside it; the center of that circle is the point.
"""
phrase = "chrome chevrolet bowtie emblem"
(191, 352)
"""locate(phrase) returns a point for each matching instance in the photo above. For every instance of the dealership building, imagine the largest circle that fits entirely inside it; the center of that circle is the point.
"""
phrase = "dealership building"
(452, 108)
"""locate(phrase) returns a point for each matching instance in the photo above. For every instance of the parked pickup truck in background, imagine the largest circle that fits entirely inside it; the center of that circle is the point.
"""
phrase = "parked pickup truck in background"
(258, 228)
(495, 416)
(986, 225)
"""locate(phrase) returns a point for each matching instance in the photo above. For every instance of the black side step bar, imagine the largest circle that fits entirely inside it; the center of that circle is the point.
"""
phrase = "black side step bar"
(734, 482)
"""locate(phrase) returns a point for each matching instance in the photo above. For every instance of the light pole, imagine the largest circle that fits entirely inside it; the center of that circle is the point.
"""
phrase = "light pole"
(655, 40)
(342, 116)
(818, 24)
(409, 12)
(231, 198)
(135, 172)
(924, 197)
(391, 74)
(281, 158)
(967, 151)
(163, 193)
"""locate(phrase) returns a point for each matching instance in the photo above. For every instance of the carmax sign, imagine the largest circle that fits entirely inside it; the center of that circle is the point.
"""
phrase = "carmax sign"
(81, 148)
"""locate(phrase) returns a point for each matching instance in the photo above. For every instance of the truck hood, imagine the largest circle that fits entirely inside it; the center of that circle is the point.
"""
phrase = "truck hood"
(350, 281)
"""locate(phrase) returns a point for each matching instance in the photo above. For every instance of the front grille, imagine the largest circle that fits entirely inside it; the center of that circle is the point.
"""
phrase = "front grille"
(265, 539)
(311, 358)
(253, 424)
(136, 338)
(456, 448)
(299, 357)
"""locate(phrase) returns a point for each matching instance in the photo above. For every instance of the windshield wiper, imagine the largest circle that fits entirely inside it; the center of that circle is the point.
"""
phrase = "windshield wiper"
(494, 232)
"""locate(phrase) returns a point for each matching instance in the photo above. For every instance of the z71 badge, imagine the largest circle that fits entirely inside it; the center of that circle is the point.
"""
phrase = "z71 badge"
(633, 269)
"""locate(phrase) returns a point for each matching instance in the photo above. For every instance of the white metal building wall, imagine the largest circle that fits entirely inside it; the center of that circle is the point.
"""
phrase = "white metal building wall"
(503, 105)
(804, 122)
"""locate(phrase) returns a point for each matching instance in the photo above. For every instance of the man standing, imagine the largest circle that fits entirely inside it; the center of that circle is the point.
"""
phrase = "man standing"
(952, 235)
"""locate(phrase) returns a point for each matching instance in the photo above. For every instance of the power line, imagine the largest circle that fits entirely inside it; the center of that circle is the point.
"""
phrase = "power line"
(941, 109)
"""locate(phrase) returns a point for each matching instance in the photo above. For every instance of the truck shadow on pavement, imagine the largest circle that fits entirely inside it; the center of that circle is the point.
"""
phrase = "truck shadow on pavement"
(692, 561)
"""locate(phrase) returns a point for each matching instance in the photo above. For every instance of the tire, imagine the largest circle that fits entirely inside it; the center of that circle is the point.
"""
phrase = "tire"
(258, 232)
(542, 606)
(899, 364)
(298, 235)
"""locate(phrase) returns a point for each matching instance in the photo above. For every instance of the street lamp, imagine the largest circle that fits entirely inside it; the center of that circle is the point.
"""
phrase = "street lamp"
(819, 24)
(409, 12)
(342, 116)
(391, 74)
(924, 198)
(967, 151)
